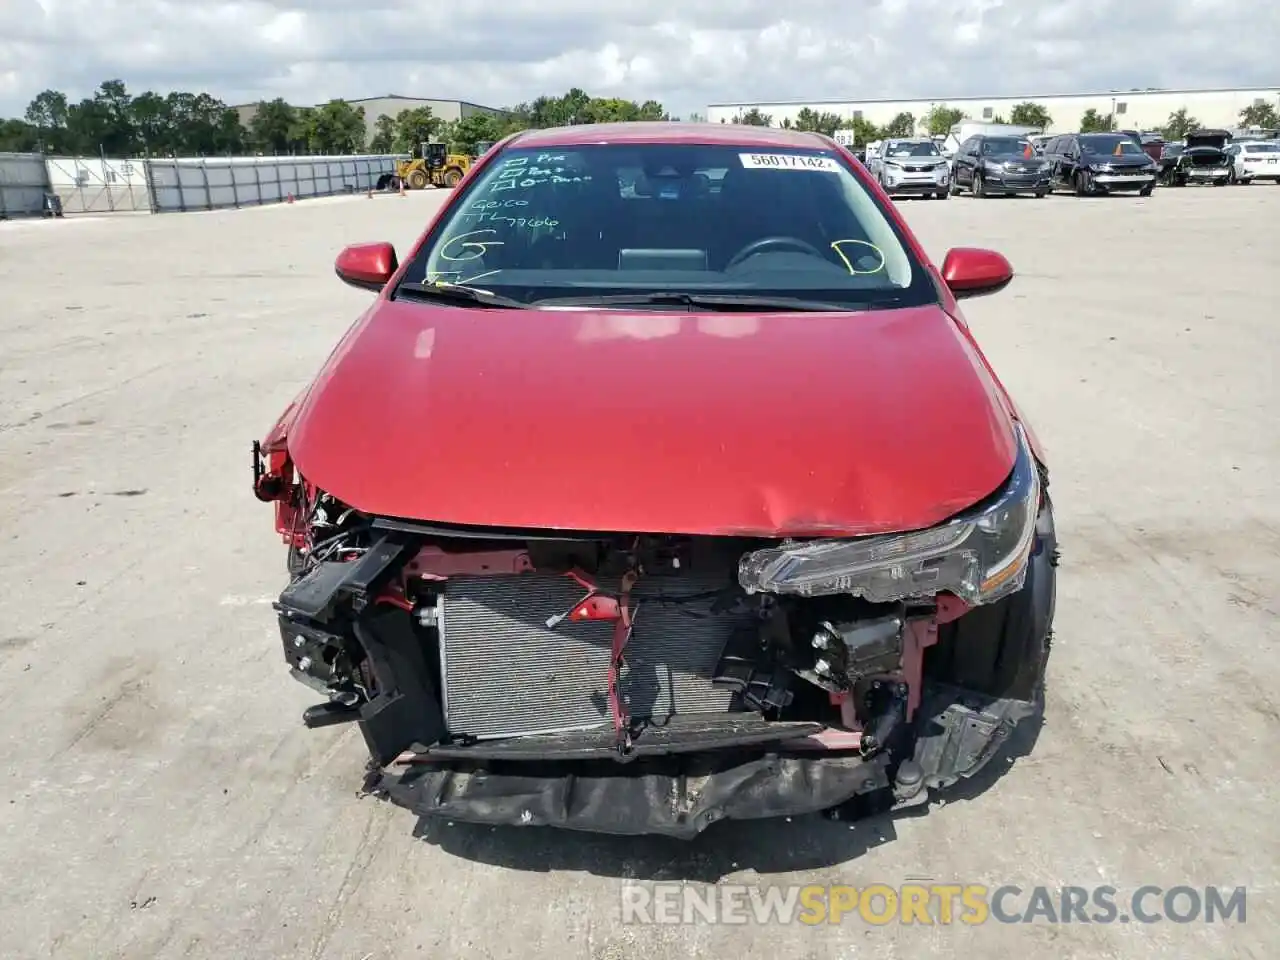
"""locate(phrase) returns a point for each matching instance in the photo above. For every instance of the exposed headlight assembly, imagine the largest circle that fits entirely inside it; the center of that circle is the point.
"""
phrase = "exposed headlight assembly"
(980, 555)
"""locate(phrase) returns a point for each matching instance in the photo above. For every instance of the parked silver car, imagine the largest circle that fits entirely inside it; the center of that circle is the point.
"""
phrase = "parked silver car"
(912, 165)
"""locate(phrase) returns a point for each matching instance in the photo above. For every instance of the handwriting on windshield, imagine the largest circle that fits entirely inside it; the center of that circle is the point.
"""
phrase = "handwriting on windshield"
(859, 262)
(524, 173)
(463, 247)
(512, 213)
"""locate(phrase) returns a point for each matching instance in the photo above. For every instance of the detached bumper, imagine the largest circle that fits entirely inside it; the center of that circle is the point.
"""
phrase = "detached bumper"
(958, 734)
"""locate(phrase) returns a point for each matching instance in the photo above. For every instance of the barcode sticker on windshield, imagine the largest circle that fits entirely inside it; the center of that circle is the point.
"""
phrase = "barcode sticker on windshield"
(788, 161)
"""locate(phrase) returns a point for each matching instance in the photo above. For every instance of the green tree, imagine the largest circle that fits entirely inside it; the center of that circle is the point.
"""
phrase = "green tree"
(753, 118)
(477, 128)
(339, 128)
(152, 125)
(941, 118)
(811, 120)
(18, 136)
(864, 131)
(272, 124)
(1030, 114)
(903, 125)
(47, 114)
(1262, 115)
(384, 134)
(1179, 125)
(1094, 122)
(413, 127)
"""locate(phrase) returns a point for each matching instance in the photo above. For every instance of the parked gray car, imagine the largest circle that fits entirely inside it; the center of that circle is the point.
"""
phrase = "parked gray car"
(912, 165)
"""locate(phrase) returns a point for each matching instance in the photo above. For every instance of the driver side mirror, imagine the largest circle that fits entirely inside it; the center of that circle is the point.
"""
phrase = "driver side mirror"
(367, 265)
(973, 272)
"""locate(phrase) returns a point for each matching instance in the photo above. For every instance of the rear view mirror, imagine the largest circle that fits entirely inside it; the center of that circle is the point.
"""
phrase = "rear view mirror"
(367, 265)
(973, 272)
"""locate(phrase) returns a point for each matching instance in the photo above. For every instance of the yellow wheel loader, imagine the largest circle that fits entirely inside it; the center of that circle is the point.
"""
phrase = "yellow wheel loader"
(432, 164)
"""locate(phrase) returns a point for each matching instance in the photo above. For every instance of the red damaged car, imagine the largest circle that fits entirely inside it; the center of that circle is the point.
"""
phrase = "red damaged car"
(664, 483)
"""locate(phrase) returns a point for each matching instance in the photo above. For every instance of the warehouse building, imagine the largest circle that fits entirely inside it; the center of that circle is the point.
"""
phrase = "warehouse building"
(1145, 109)
(391, 105)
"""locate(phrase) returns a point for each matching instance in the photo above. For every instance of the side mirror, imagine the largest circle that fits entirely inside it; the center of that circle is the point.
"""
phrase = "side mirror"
(367, 265)
(972, 272)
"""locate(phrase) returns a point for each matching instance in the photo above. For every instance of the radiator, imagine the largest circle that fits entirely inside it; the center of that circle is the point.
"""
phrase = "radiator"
(504, 672)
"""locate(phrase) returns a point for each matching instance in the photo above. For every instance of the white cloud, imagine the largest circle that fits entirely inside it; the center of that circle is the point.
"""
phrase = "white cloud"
(683, 54)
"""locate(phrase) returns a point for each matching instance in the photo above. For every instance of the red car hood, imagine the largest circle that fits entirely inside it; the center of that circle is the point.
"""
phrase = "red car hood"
(735, 424)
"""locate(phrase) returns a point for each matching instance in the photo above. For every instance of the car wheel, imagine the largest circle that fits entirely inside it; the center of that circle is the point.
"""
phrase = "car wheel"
(1041, 194)
(954, 188)
(1146, 191)
(1084, 184)
(942, 195)
(1002, 649)
(1220, 182)
(979, 186)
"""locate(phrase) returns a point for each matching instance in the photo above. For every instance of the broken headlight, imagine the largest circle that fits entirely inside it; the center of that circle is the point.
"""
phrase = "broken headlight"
(980, 555)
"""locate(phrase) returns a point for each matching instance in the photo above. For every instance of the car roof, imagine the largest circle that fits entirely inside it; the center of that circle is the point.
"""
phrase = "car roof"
(655, 131)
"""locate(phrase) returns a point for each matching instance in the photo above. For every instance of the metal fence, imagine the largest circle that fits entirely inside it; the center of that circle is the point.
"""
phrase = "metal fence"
(214, 183)
(99, 185)
(169, 184)
(24, 181)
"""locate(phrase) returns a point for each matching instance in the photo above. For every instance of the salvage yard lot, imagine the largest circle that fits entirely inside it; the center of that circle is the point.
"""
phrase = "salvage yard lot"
(161, 799)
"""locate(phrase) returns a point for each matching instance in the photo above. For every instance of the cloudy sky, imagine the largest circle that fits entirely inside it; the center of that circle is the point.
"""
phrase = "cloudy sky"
(684, 53)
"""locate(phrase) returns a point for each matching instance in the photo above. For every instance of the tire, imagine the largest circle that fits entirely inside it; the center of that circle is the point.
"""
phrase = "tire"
(942, 195)
(953, 187)
(1041, 194)
(1146, 191)
(1220, 182)
(1084, 186)
(1002, 649)
(417, 180)
(452, 177)
(979, 186)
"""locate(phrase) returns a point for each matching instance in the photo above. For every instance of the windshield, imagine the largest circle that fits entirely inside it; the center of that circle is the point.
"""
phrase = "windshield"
(1005, 146)
(633, 219)
(1113, 146)
(910, 149)
(1262, 148)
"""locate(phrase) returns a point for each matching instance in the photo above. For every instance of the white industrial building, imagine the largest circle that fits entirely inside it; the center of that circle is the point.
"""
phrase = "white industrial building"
(1147, 109)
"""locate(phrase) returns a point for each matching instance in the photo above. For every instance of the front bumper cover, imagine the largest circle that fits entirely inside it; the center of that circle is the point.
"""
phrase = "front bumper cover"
(682, 796)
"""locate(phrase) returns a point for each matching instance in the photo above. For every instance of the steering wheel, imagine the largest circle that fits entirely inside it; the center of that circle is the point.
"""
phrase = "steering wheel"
(764, 243)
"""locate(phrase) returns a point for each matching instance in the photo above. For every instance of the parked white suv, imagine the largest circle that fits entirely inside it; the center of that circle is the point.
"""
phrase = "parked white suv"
(1255, 160)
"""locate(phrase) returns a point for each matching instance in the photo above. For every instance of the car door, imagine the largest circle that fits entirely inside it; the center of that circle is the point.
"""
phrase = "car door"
(1065, 172)
(962, 167)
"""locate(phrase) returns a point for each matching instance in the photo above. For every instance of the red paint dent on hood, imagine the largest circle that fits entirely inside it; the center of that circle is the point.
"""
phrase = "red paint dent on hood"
(770, 425)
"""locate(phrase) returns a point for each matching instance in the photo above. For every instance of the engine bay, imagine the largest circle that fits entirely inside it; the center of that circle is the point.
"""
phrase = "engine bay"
(557, 644)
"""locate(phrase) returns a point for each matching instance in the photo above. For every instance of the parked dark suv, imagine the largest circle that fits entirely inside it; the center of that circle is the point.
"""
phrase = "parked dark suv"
(1094, 163)
(999, 163)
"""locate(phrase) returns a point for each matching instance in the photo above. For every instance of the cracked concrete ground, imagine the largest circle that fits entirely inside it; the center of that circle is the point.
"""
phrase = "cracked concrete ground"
(160, 798)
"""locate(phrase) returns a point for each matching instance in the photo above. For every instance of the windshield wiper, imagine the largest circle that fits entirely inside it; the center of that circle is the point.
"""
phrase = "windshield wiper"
(726, 302)
(457, 293)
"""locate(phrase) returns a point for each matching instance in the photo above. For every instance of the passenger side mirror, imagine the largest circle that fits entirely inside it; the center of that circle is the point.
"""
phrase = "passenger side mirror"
(367, 265)
(973, 272)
